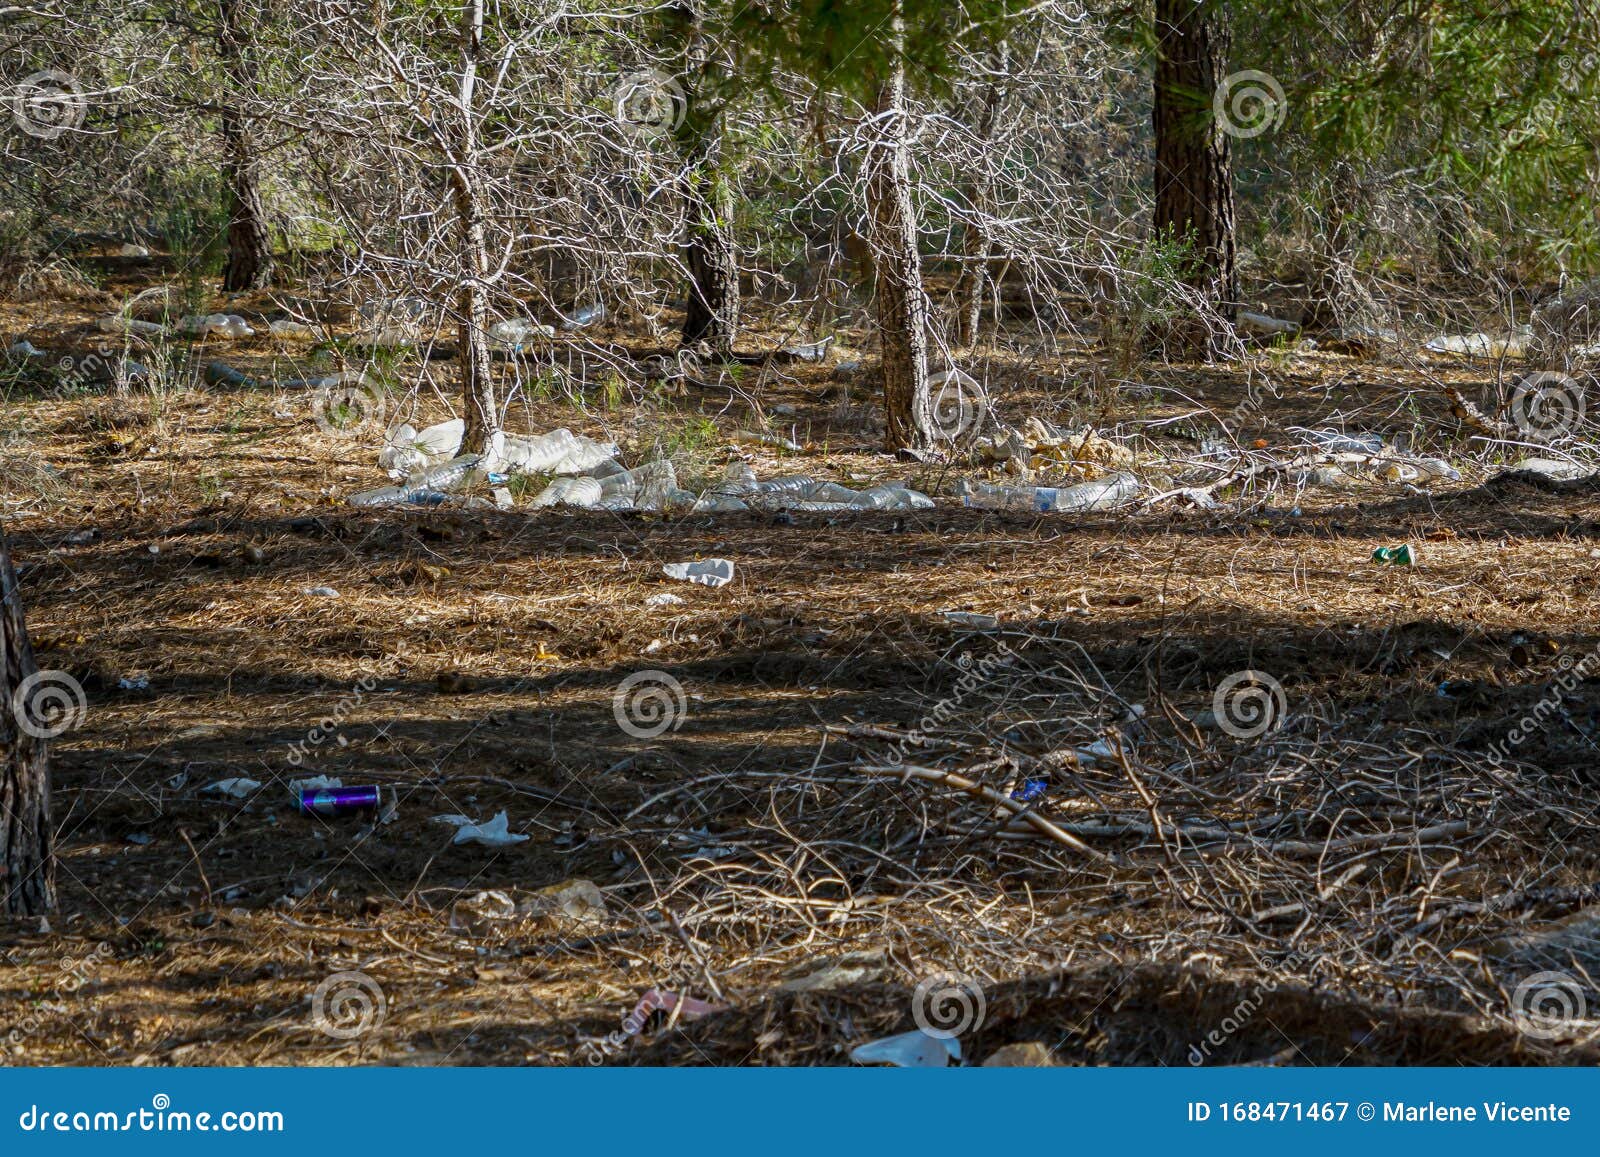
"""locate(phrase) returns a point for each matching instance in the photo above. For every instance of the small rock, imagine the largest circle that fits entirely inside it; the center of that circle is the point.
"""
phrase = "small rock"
(1024, 1055)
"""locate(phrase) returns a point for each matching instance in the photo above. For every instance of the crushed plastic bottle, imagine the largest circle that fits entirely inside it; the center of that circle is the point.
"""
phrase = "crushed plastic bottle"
(23, 348)
(461, 473)
(558, 452)
(1105, 494)
(222, 374)
(587, 316)
(287, 329)
(117, 323)
(1337, 442)
(225, 325)
(408, 450)
(513, 332)
(569, 492)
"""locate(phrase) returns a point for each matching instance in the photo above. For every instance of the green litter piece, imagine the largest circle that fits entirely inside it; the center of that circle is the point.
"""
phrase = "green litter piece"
(1403, 555)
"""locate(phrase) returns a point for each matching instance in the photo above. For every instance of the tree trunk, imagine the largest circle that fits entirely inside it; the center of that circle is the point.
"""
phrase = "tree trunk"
(1194, 178)
(249, 242)
(902, 304)
(249, 263)
(708, 250)
(977, 248)
(472, 303)
(27, 862)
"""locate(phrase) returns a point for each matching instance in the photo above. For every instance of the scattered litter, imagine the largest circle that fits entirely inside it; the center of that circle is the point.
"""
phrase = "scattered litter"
(587, 316)
(1031, 790)
(1550, 468)
(338, 800)
(494, 833)
(1403, 555)
(968, 619)
(816, 351)
(1482, 345)
(577, 899)
(1338, 442)
(313, 783)
(1109, 494)
(909, 1050)
(137, 683)
(23, 348)
(711, 572)
(664, 599)
(666, 1001)
(321, 592)
(1260, 325)
(431, 486)
(511, 333)
(222, 374)
(1420, 470)
(558, 452)
(129, 249)
(1024, 1055)
(756, 438)
(287, 329)
(407, 450)
(117, 323)
(227, 325)
(236, 788)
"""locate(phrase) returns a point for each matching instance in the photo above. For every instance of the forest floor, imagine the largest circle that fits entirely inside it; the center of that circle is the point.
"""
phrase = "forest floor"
(1358, 884)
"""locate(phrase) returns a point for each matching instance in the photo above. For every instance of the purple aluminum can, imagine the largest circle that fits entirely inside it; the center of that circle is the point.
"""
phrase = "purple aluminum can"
(333, 801)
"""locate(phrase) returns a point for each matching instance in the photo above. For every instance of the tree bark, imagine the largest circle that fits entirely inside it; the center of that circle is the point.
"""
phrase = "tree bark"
(977, 247)
(472, 303)
(250, 262)
(902, 304)
(709, 251)
(1193, 173)
(27, 861)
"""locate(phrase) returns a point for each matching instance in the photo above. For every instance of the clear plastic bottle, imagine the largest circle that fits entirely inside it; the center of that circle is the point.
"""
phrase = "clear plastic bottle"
(558, 452)
(1105, 494)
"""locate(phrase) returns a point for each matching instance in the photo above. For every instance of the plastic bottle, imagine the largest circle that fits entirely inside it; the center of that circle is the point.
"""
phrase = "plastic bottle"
(1106, 494)
(569, 492)
(409, 450)
(558, 452)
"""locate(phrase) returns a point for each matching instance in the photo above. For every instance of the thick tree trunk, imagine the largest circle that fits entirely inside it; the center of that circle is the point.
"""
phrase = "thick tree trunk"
(472, 303)
(708, 250)
(249, 264)
(250, 261)
(1194, 178)
(902, 304)
(27, 862)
